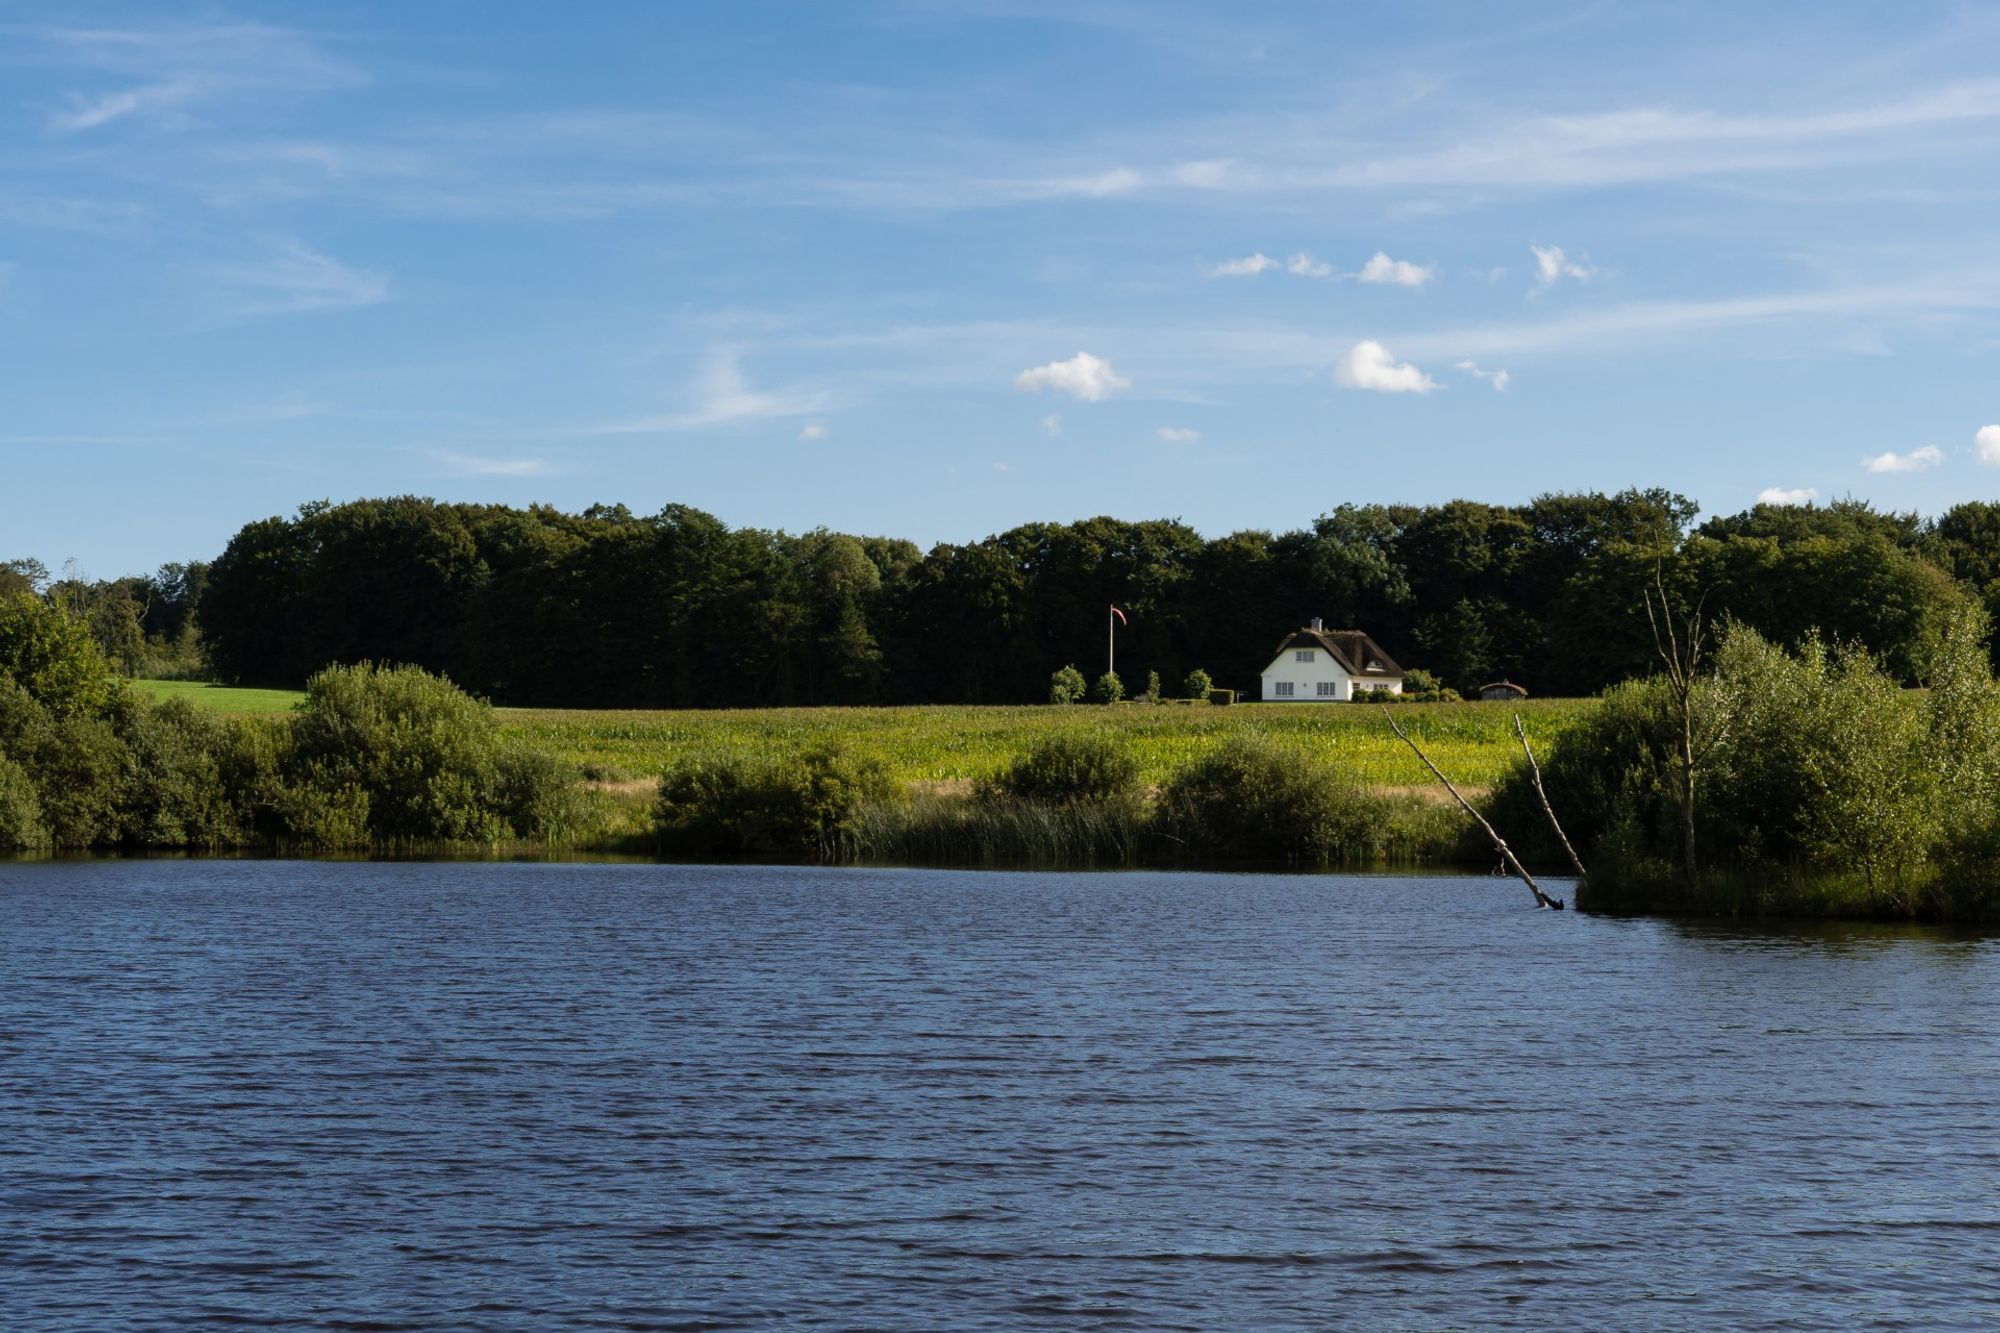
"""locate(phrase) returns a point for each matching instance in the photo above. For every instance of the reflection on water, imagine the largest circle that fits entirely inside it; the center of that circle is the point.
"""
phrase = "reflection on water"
(530, 1096)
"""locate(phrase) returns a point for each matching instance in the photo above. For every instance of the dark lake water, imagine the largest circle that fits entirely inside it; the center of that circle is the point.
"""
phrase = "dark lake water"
(372, 1096)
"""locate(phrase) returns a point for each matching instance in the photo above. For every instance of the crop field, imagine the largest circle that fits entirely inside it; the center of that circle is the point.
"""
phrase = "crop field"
(1473, 742)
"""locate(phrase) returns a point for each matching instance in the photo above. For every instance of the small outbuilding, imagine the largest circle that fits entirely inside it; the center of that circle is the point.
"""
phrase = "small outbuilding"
(1503, 691)
(1323, 666)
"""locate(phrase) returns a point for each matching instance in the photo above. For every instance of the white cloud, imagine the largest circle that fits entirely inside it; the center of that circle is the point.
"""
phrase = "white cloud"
(1179, 435)
(1103, 185)
(815, 431)
(1211, 175)
(1368, 365)
(1052, 424)
(1987, 443)
(1083, 376)
(1305, 266)
(297, 280)
(1248, 267)
(1917, 460)
(1499, 379)
(1778, 495)
(468, 465)
(722, 397)
(1397, 272)
(1552, 266)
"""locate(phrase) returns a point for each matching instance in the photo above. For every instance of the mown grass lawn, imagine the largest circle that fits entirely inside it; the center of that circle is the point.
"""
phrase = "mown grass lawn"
(1473, 742)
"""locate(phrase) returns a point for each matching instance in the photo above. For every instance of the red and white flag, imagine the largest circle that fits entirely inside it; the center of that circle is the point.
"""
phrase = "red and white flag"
(1121, 616)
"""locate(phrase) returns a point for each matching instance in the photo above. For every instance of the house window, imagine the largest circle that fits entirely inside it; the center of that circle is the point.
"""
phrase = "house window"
(1284, 689)
(1325, 688)
(1303, 655)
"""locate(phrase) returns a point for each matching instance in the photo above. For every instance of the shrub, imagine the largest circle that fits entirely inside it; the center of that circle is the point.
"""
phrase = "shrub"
(21, 827)
(1197, 685)
(78, 765)
(1107, 689)
(1256, 798)
(1071, 766)
(1066, 686)
(538, 794)
(707, 808)
(412, 749)
(176, 789)
(1419, 681)
(1152, 694)
(1825, 791)
(411, 758)
(810, 805)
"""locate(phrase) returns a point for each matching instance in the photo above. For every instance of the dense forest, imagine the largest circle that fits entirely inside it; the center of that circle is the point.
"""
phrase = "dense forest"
(677, 609)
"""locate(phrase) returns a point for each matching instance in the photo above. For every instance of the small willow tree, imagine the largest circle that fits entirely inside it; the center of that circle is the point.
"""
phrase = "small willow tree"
(1704, 714)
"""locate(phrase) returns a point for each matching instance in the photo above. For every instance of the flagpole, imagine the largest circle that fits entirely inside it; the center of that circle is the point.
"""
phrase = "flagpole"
(1111, 636)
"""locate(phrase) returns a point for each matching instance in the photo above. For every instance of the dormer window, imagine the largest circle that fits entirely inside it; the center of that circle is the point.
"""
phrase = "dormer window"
(1303, 655)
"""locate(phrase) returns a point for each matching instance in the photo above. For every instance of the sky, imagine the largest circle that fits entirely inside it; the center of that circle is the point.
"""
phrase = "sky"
(933, 268)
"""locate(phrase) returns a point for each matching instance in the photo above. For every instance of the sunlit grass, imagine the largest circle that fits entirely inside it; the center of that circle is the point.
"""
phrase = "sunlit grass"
(1473, 742)
(228, 699)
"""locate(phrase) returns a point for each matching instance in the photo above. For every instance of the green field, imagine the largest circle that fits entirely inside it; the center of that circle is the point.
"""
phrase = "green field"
(1473, 742)
(220, 698)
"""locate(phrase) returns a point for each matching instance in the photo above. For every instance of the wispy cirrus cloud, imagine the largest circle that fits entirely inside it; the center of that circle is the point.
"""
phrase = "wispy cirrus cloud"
(295, 280)
(473, 465)
(1247, 267)
(722, 397)
(166, 71)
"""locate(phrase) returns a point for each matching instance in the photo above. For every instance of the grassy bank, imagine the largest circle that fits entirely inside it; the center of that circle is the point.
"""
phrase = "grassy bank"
(936, 758)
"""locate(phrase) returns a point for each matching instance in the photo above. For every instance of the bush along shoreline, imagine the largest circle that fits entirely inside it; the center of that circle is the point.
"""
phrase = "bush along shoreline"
(1074, 799)
(1822, 789)
(382, 759)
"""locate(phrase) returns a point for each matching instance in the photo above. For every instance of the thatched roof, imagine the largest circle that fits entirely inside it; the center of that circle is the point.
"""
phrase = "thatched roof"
(1356, 653)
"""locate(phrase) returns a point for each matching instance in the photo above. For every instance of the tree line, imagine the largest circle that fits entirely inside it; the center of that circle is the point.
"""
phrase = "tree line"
(607, 608)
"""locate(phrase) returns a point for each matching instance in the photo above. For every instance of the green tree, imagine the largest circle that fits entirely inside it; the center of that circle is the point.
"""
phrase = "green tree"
(1066, 686)
(51, 654)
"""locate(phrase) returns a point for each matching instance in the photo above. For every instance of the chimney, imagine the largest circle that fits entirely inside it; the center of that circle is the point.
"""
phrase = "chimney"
(1316, 623)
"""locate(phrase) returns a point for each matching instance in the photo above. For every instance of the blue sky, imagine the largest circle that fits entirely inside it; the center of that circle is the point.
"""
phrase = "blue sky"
(932, 268)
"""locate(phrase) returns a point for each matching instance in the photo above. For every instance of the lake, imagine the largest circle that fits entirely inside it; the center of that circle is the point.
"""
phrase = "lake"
(532, 1096)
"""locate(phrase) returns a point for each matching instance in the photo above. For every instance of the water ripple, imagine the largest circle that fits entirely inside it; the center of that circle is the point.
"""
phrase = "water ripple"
(374, 1097)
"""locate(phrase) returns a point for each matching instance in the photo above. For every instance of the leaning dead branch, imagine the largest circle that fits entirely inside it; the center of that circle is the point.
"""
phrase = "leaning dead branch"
(1535, 773)
(1507, 857)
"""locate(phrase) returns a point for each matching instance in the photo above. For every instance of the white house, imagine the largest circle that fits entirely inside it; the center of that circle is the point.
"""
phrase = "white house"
(1320, 665)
